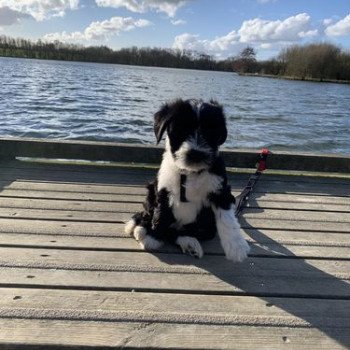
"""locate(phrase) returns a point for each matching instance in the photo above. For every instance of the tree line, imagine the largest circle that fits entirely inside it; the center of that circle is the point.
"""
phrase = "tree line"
(318, 61)
(160, 57)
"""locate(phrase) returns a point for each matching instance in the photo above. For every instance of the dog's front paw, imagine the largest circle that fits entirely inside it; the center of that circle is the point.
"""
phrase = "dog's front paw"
(237, 249)
(190, 245)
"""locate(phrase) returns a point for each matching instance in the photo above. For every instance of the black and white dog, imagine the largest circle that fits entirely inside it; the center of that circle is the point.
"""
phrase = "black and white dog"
(190, 200)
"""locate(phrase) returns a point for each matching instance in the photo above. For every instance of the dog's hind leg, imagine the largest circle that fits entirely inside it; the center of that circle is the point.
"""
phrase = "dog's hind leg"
(138, 227)
(129, 227)
(139, 232)
(135, 221)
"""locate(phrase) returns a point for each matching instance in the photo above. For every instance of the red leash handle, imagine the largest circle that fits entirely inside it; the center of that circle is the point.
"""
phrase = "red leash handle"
(262, 159)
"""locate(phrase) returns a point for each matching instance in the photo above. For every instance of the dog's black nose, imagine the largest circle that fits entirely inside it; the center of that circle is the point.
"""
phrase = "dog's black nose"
(195, 156)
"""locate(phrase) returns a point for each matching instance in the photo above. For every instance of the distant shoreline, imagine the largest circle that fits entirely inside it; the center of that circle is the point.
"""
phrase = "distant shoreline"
(284, 77)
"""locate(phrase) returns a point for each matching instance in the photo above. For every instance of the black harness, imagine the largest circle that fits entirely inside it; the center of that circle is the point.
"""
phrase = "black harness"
(183, 179)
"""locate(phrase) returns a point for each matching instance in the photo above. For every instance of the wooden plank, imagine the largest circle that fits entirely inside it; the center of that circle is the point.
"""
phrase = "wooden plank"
(63, 190)
(118, 261)
(61, 227)
(334, 223)
(23, 184)
(125, 210)
(95, 229)
(86, 168)
(283, 278)
(298, 205)
(73, 196)
(294, 215)
(11, 198)
(212, 247)
(57, 187)
(25, 334)
(172, 308)
(137, 193)
(132, 206)
(298, 198)
(89, 206)
(19, 182)
(339, 189)
(55, 267)
(25, 147)
(289, 225)
(70, 177)
(261, 188)
(233, 173)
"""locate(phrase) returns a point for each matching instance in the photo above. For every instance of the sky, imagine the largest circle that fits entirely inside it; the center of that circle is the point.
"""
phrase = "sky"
(221, 28)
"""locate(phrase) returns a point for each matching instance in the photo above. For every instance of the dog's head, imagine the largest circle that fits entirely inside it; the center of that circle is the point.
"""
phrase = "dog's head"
(195, 131)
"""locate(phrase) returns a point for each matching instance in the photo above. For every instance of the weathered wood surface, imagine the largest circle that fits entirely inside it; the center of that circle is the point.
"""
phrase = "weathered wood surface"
(138, 153)
(71, 278)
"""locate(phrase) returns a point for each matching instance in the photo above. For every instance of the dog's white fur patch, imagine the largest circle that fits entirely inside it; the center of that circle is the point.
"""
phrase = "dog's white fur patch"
(198, 186)
(190, 245)
(129, 227)
(235, 246)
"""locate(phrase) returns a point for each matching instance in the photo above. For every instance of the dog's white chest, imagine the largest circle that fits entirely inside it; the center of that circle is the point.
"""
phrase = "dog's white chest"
(196, 190)
(197, 187)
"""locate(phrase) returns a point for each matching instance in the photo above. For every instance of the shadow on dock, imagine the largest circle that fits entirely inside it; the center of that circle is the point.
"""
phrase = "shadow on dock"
(308, 283)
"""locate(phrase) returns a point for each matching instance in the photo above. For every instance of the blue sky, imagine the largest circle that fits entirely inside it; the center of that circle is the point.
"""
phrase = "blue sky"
(218, 27)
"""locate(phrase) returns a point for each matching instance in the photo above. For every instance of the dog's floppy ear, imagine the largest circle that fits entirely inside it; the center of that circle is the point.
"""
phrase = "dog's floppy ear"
(222, 131)
(161, 121)
(223, 136)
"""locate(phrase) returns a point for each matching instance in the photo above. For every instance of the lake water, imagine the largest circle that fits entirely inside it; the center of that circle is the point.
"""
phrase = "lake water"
(89, 101)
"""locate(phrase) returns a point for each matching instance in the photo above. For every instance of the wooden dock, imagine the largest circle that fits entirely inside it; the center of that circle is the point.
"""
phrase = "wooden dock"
(71, 279)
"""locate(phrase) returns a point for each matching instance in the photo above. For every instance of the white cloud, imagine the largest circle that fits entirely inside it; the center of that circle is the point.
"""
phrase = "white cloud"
(327, 21)
(9, 16)
(309, 33)
(188, 41)
(167, 6)
(177, 22)
(225, 42)
(100, 30)
(220, 45)
(40, 9)
(291, 29)
(340, 28)
(267, 35)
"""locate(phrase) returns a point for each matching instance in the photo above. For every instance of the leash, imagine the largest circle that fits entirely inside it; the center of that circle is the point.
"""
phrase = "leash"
(253, 179)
